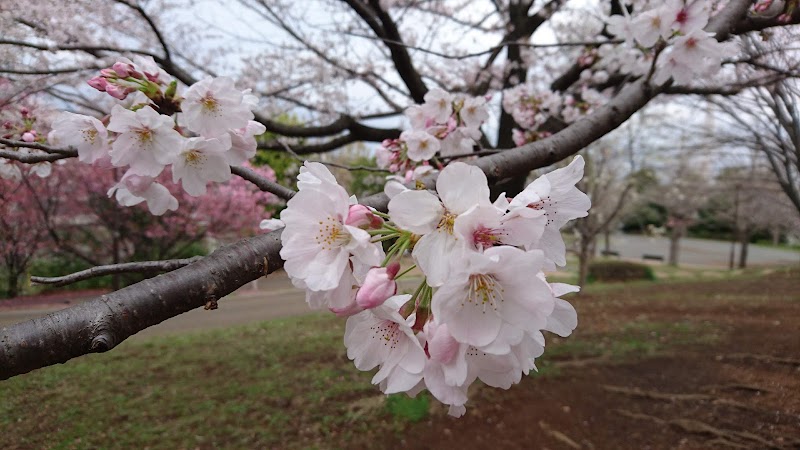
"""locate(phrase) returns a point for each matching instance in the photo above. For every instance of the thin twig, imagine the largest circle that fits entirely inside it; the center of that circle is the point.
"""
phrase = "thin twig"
(28, 158)
(55, 154)
(488, 50)
(45, 148)
(467, 155)
(331, 164)
(112, 269)
(263, 183)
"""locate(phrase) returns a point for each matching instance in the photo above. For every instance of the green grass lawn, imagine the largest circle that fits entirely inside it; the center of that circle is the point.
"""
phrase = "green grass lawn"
(283, 383)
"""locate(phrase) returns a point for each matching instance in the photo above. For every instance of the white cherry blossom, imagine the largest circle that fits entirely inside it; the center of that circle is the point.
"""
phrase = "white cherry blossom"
(147, 141)
(317, 243)
(555, 194)
(213, 106)
(421, 145)
(243, 142)
(460, 187)
(133, 189)
(86, 134)
(488, 290)
(382, 337)
(438, 105)
(201, 161)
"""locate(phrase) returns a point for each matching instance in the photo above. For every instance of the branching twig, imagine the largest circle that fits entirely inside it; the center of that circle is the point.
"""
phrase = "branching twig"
(55, 154)
(327, 163)
(263, 183)
(46, 148)
(113, 269)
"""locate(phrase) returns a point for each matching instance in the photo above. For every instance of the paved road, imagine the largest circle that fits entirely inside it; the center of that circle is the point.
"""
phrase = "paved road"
(276, 297)
(698, 252)
(271, 298)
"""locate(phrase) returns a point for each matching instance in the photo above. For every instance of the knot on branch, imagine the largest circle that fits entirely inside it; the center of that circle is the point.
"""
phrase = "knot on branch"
(103, 334)
(103, 342)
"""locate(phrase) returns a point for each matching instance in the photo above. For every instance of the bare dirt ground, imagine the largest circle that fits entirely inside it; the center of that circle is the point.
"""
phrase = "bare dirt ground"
(736, 385)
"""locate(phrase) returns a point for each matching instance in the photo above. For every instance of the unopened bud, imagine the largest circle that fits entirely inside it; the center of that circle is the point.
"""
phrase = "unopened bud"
(122, 69)
(118, 92)
(98, 83)
(349, 310)
(361, 216)
(378, 286)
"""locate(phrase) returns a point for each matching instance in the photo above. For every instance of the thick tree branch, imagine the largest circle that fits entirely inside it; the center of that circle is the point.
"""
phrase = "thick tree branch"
(112, 269)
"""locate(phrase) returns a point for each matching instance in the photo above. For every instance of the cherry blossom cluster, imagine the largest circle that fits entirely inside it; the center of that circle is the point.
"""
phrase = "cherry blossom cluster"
(197, 135)
(446, 124)
(22, 123)
(672, 32)
(483, 301)
(531, 108)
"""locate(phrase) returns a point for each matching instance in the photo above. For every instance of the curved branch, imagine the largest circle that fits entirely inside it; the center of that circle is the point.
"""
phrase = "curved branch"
(32, 159)
(81, 48)
(323, 147)
(139, 10)
(112, 269)
(263, 183)
(100, 324)
(46, 71)
(61, 151)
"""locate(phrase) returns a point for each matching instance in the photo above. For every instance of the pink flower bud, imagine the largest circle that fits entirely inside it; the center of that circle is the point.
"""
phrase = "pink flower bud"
(378, 286)
(98, 83)
(362, 217)
(117, 92)
(349, 310)
(123, 70)
(25, 112)
(29, 136)
(108, 73)
(153, 77)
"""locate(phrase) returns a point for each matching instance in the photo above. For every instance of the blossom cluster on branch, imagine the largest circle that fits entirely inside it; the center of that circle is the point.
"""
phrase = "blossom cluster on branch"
(479, 311)
(22, 122)
(445, 124)
(672, 34)
(198, 134)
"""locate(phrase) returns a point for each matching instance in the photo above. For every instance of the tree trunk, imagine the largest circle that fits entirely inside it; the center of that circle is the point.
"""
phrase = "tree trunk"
(13, 284)
(607, 237)
(745, 243)
(584, 259)
(116, 282)
(776, 235)
(674, 247)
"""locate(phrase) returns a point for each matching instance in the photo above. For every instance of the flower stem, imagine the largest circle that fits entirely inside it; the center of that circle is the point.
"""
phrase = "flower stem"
(413, 266)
